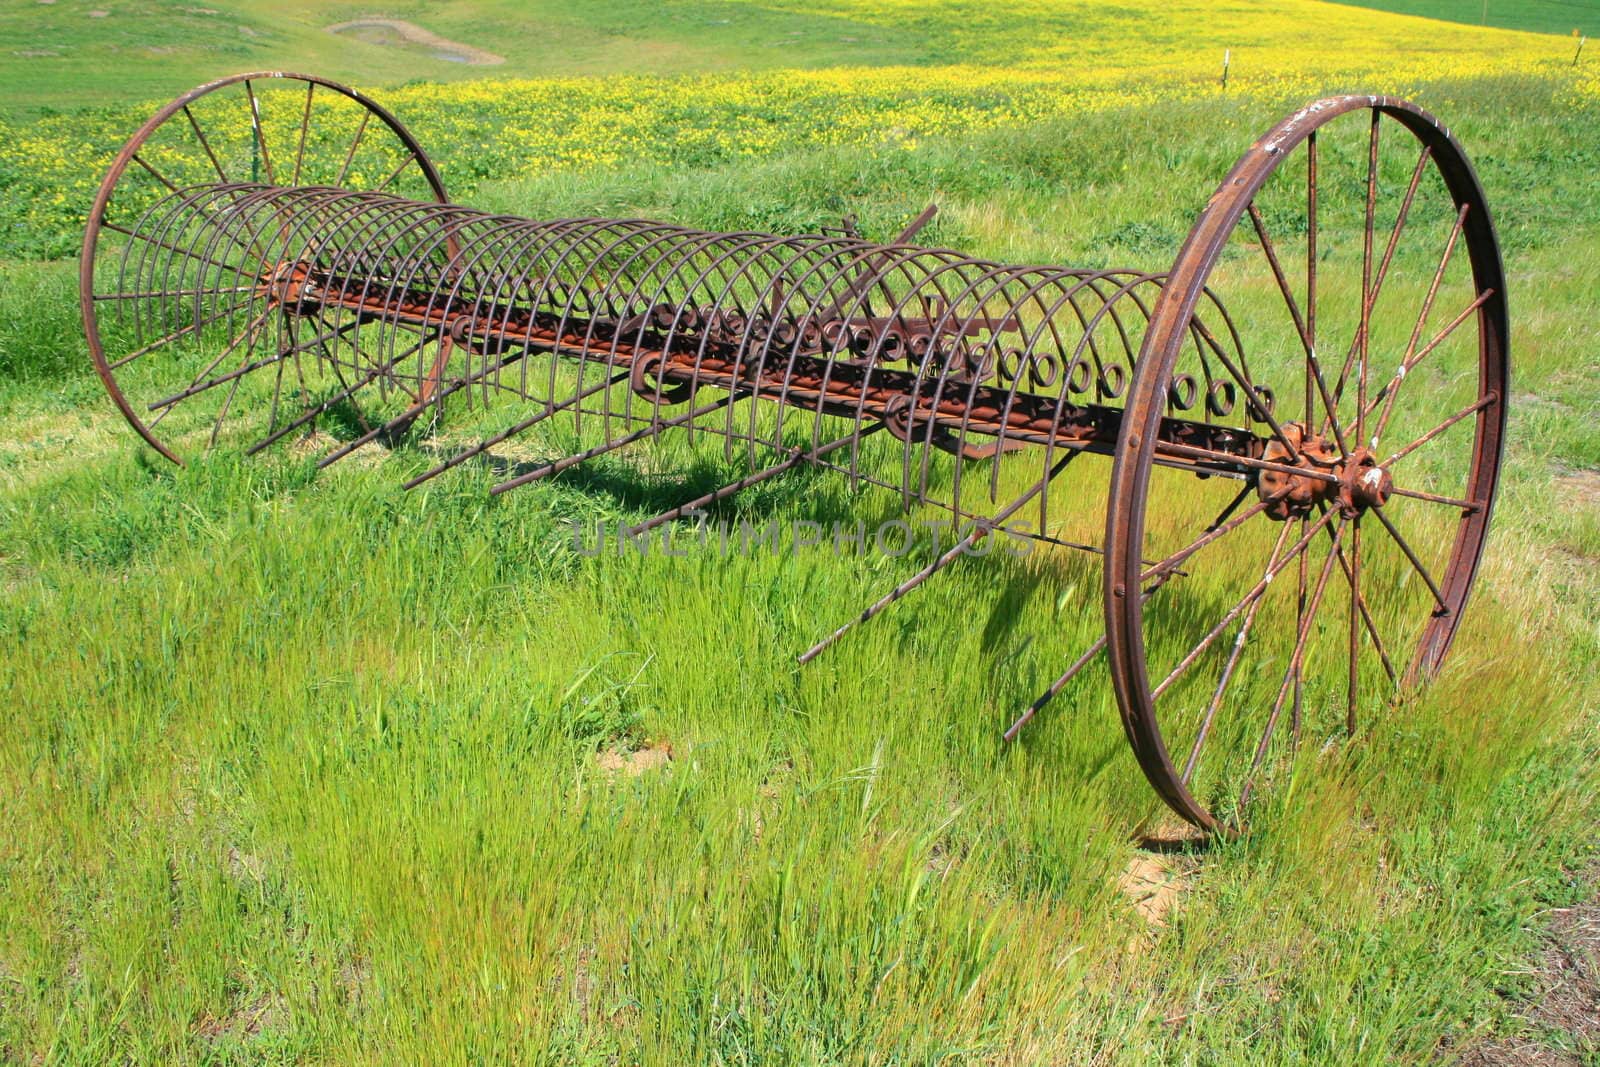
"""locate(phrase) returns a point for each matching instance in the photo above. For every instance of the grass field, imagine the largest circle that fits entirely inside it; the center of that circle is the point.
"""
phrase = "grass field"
(297, 767)
(1540, 16)
(69, 53)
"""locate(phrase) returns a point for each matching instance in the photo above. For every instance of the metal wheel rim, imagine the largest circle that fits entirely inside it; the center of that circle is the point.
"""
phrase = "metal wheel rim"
(1134, 457)
(108, 185)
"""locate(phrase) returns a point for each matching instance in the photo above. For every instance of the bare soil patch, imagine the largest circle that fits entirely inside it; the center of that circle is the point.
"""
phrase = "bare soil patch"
(1154, 883)
(1566, 994)
(265, 1014)
(398, 33)
(615, 761)
(319, 443)
(1580, 487)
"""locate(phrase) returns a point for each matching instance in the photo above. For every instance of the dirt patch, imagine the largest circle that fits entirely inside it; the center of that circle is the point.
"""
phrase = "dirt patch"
(1517, 1054)
(355, 979)
(1155, 883)
(1566, 993)
(319, 443)
(615, 761)
(266, 1013)
(397, 33)
(1581, 487)
(244, 867)
(767, 795)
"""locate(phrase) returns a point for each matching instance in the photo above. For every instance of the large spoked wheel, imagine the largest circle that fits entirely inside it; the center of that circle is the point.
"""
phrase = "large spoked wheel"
(187, 237)
(1270, 604)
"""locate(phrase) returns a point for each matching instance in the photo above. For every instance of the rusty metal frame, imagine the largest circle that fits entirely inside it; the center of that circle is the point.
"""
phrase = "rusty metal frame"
(633, 328)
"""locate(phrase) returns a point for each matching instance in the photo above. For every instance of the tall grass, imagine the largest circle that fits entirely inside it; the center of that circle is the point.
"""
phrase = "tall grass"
(298, 766)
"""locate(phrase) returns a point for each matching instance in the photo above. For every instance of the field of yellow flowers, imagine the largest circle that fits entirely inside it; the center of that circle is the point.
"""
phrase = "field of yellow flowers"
(1020, 65)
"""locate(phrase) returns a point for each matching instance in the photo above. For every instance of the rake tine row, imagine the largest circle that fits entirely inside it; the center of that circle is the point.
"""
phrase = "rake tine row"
(327, 280)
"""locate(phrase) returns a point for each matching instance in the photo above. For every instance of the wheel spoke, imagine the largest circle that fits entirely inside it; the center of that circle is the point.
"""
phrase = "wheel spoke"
(1435, 498)
(1228, 459)
(386, 366)
(1252, 397)
(1427, 309)
(1478, 405)
(193, 327)
(222, 414)
(1232, 506)
(1399, 224)
(1353, 577)
(1371, 624)
(1302, 586)
(351, 155)
(1314, 375)
(261, 137)
(1371, 300)
(1356, 358)
(1411, 555)
(411, 157)
(105, 224)
(159, 294)
(317, 409)
(305, 126)
(1411, 362)
(1212, 533)
(1310, 337)
(1255, 593)
(277, 379)
(156, 174)
(1295, 661)
(249, 331)
(1270, 251)
(205, 144)
(1228, 668)
(198, 387)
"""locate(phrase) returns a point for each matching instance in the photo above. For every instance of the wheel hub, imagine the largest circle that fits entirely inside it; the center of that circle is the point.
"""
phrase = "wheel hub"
(1352, 483)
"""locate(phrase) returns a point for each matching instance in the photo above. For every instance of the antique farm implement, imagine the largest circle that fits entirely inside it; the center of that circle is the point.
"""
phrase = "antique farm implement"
(1304, 413)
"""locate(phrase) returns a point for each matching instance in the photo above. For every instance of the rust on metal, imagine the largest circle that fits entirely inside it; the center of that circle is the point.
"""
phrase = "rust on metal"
(248, 304)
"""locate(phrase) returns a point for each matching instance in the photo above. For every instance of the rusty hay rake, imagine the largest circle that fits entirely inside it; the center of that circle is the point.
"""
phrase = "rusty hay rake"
(1304, 414)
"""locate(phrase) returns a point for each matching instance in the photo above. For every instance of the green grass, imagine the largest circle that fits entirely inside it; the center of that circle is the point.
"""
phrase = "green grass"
(146, 49)
(1535, 16)
(296, 766)
(60, 56)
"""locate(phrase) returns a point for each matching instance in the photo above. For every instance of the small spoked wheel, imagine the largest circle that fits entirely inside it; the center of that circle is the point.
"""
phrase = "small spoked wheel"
(190, 244)
(1256, 606)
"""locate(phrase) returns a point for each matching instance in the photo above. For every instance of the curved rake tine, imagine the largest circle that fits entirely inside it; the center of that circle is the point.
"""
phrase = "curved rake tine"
(406, 417)
(979, 530)
(320, 409)
(654, 430)
(795, 459)
(1056, 687)
(533, 420)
